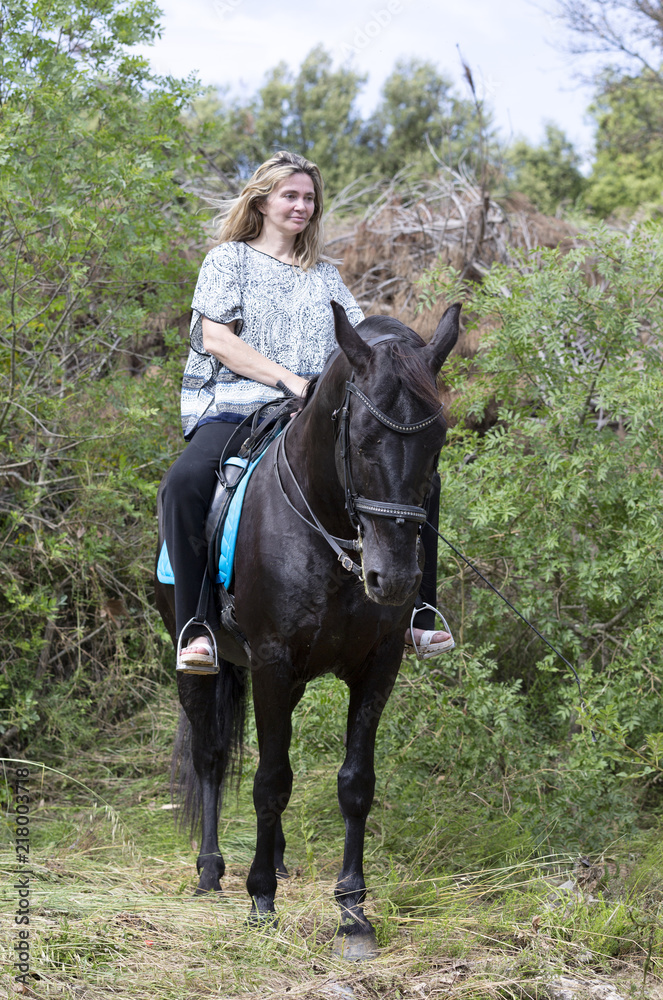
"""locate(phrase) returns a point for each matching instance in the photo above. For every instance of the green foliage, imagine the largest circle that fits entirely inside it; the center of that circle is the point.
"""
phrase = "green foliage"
(419, 112)
(419, 121)
(223, 131)
(314, 114)
(548, 174)
(92, 217)
(560, 503)
(628, 167)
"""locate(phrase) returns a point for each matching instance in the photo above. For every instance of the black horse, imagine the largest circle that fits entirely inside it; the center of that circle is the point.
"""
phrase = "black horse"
(360, 455)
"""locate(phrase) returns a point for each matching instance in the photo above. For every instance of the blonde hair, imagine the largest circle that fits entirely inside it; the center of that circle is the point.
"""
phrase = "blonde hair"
(240, 218)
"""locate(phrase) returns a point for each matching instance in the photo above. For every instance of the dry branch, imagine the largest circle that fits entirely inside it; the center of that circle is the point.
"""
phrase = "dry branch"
(412, 224)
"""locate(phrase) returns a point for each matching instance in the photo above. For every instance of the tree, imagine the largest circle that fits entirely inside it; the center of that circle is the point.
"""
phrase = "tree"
(92, 221)
(627, 37)
(419, 122)
(222, 132)
(630, 30)
(548, 174)
(313, 113)
(419, 112)
(628, 165)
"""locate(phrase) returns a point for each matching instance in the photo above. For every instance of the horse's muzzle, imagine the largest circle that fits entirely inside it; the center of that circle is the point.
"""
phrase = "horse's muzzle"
(391, 588)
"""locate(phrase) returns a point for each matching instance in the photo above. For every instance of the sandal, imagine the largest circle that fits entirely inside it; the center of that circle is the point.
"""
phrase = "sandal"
(424, 648)
(197, 658)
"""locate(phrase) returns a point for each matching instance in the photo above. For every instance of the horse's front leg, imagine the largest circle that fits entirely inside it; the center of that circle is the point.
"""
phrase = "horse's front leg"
(355, 939)
(273, 701)
(279, 851)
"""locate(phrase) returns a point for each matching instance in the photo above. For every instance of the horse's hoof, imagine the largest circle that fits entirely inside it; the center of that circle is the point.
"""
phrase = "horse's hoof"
(214, 892)
(355, 945)
(266, 919)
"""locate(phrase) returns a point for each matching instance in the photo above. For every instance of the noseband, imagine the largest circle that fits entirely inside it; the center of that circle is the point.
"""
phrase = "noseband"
(355, 504)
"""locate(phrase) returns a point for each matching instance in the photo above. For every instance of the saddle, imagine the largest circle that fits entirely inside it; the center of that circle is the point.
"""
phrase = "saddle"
(222, 522)
(233, 475)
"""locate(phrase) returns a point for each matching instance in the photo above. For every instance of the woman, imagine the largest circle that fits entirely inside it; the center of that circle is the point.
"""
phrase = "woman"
(261, 316)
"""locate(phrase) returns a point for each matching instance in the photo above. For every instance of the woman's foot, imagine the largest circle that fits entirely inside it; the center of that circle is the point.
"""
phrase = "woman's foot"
(197, 657)
(425, 643)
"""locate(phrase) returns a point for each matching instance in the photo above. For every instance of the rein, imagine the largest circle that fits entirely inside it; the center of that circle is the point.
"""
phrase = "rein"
(517, 612)
(335, 543)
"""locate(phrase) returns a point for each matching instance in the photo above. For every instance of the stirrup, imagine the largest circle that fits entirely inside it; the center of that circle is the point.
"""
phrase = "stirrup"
(425, 649)
(197, 668)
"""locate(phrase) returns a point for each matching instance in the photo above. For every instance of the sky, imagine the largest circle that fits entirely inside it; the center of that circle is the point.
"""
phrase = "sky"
(512, 47)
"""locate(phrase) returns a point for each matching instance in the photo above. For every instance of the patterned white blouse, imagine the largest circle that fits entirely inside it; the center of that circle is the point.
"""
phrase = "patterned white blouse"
(280, 310)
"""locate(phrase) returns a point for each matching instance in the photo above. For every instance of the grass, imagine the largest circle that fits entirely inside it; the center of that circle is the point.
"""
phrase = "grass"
(113, 915)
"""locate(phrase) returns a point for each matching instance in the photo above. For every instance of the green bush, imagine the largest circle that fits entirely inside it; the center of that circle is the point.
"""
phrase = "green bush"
(93, 219)
(560, 503)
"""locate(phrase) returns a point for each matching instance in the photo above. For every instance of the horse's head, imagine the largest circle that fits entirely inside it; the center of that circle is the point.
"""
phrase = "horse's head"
(391, 430)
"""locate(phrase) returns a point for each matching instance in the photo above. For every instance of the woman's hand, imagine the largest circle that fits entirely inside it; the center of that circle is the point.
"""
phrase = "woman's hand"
(220, 340)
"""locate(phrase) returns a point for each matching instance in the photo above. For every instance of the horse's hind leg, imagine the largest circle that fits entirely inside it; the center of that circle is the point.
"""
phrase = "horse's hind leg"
(356, 785)
(212, 734)
(209, 863)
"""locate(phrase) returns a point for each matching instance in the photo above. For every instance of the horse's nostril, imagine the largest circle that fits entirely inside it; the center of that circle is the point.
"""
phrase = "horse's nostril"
(373, 580)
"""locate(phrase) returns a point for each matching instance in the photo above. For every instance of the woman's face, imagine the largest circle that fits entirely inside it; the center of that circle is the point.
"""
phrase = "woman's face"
(288, 209)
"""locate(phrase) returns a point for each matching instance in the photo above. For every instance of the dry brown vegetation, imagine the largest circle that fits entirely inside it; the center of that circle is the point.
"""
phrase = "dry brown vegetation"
(402, 229)
(410, 226)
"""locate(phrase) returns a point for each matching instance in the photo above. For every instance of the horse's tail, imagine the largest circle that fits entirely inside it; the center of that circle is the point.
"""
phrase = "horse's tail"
(216, 745)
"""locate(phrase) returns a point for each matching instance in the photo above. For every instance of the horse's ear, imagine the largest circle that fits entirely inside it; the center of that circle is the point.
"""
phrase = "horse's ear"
(355, 349)
(440, 345)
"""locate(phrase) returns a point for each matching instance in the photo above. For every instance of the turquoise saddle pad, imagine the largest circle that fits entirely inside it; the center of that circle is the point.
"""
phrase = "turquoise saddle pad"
(228, 541)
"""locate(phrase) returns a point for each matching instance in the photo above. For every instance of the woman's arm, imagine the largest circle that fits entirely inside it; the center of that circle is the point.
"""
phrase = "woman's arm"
(220, 340)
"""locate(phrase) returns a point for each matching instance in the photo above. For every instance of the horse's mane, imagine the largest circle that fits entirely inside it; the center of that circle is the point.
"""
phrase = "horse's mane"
(413, 372)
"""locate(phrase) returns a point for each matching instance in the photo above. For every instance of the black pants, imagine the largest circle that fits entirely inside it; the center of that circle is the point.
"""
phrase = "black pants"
(428, 590)
(186, 498)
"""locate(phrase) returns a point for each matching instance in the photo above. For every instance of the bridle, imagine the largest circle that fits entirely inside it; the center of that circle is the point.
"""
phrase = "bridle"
(355, 504)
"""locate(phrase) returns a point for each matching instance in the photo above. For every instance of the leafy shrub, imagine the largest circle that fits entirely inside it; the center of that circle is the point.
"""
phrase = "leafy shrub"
(560, 502)
(92, 219)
